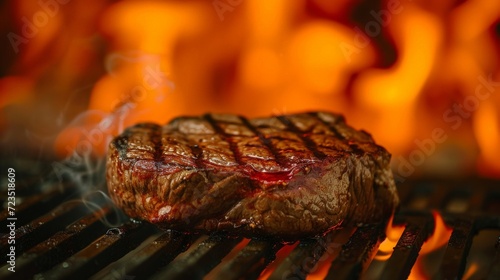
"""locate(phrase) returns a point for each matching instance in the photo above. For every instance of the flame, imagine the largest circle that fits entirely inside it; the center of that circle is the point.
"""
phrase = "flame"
(315, 67)
(280, 256)
(438, 239)
(393, 233)
(398, 69)
(473, 268)
(322, 269)
(483, 12)
(380, 91)
(168, 58)
(487, 131)
(370, 61)
(440, 236)
(15, 89)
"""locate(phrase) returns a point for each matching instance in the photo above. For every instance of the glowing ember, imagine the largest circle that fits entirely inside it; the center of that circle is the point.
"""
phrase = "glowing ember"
(322, 268)
(280, 256)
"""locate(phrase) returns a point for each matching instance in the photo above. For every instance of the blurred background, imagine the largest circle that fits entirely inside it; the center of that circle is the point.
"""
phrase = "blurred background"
(421, 76)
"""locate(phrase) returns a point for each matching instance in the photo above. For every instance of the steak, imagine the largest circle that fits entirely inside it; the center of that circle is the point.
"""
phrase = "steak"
(288, 176)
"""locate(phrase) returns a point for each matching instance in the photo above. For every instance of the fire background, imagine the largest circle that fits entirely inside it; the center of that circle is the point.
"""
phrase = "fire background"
(422, 76)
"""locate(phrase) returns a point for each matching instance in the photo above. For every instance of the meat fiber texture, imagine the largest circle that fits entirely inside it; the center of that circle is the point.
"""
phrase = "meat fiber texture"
(287, 177)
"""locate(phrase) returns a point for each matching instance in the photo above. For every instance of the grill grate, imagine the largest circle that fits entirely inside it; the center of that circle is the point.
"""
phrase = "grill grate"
(405, 253)
(58, 237)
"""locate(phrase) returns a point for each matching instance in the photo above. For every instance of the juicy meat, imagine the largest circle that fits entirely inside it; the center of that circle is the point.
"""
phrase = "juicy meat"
(288, 176)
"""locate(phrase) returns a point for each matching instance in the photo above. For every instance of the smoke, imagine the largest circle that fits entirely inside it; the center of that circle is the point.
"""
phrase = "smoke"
(85, 165)
(90, 132)
(90, 199)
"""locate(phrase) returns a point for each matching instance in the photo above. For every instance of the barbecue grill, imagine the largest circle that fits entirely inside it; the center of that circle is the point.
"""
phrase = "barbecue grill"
(59, 235)
(420, 76)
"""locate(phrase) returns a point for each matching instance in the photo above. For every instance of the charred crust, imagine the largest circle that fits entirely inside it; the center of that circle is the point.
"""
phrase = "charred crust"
(289, 176)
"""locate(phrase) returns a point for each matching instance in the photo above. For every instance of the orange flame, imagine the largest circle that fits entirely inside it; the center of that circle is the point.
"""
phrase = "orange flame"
(154, 60)
(229, 56)
(381, 91)
(438, 239)
(473, 268)
(487, 131)
(393, 233)
(440, 236)
(322, 269)
(280, 256)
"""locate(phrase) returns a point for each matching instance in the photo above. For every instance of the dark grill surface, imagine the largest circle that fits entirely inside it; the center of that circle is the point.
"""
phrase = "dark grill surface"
(60, 236)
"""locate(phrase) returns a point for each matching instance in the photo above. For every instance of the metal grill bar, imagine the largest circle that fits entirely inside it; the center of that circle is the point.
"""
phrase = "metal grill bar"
(197, 263)
(59, 246)
(454, 260)
(300, 261)
(108, 248)
(149, 259)
(304, 257)
(60, 242)
(477, 200)
(357, 253)
(406, 251)
(494, 271)
(32, 206)
(43, 227)
(250, 261)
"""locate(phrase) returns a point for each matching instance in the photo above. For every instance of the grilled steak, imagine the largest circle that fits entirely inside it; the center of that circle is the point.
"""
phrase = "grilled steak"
(288, 176)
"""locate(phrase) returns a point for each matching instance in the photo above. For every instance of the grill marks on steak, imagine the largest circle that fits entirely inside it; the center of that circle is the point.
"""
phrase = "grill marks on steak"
(276, 144)
(226, 140)
(287, 176)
